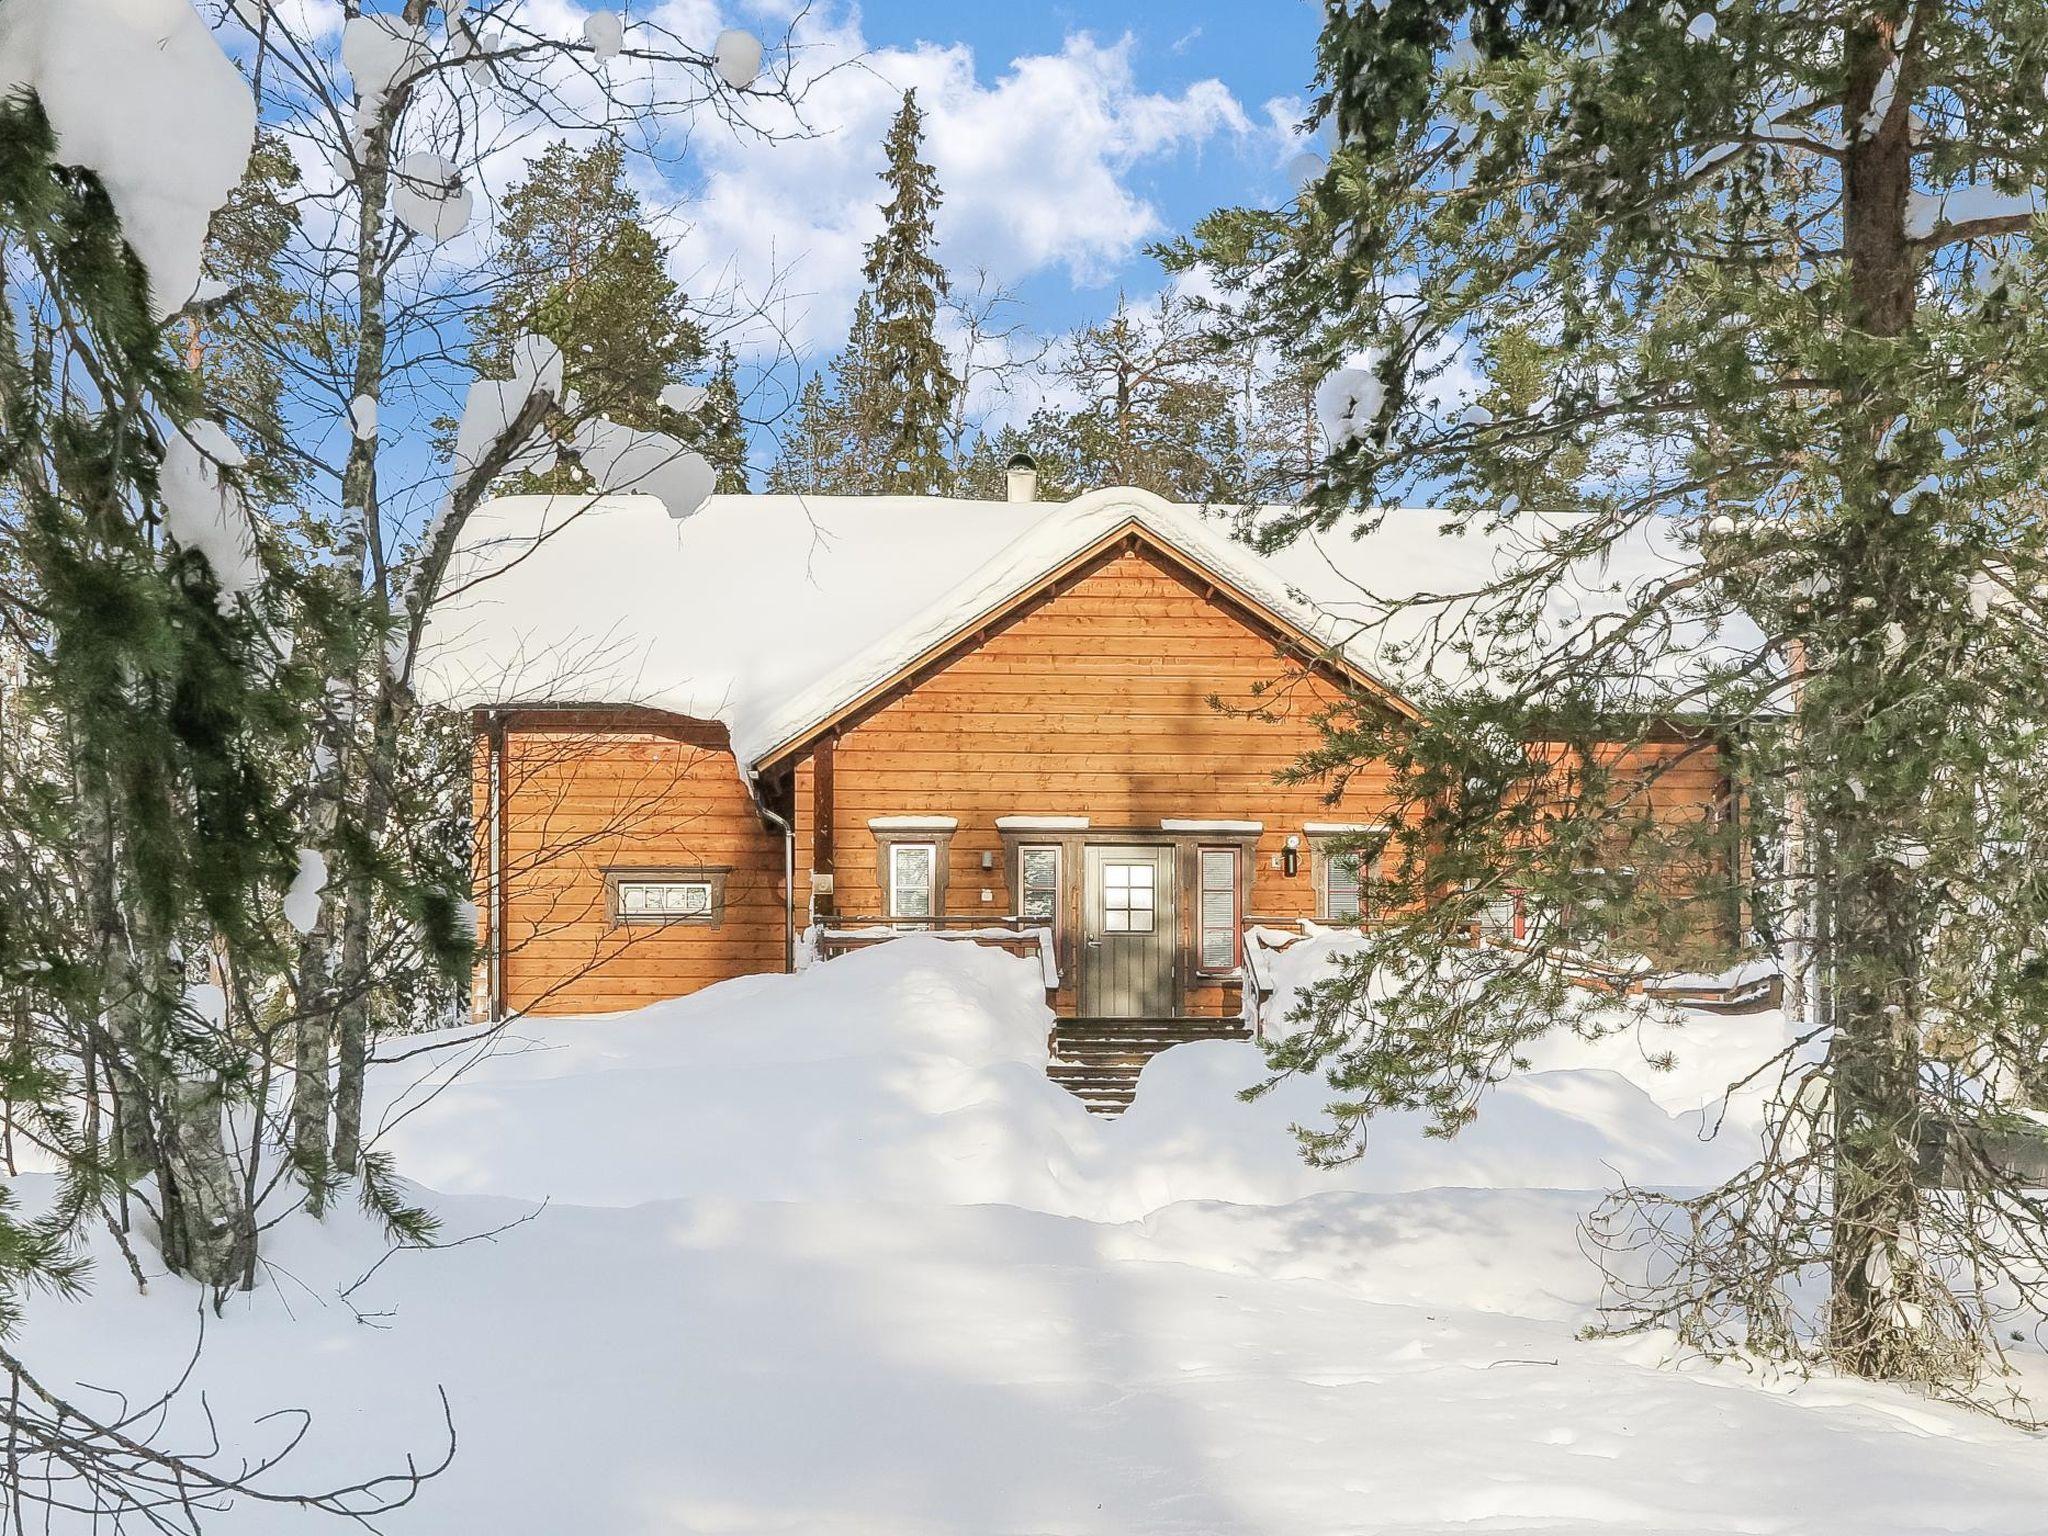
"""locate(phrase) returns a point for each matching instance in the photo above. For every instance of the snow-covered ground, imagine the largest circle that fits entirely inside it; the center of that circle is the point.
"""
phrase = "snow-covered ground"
(828, 1253)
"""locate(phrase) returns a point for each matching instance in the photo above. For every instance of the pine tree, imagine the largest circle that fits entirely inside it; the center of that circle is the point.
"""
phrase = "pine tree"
(1157, 411)
(1765, 280)
(580, 266)
(905, 368)
(151, 828)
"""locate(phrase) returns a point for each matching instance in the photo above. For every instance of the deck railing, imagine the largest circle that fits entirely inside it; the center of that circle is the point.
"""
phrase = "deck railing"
(1747, 987)
(842, 935)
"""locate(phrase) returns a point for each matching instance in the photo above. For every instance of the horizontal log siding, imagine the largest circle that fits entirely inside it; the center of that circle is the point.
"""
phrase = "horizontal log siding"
(1094, 702)
(585, 791)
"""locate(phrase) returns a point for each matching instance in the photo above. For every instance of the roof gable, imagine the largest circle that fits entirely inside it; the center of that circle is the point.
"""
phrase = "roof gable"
(1032, 568)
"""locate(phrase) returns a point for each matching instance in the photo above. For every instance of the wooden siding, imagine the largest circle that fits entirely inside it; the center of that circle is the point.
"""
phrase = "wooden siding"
(584, 792)
(1094, 701)
(1092, 698)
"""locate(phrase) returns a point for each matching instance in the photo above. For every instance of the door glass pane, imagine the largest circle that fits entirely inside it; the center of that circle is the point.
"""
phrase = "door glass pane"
(1127, 898)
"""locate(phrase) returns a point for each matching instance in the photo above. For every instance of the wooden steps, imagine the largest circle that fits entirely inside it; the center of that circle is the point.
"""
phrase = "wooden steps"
(1098, 1060)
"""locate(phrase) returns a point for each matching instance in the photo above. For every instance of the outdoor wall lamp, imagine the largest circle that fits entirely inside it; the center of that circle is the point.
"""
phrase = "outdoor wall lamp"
(1291, 859)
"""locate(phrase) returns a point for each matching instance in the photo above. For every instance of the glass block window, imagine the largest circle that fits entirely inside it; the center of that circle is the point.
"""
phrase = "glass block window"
(1127, 898)
(1038, 879)
(912, 878)
(666, 896)
(1219, 909)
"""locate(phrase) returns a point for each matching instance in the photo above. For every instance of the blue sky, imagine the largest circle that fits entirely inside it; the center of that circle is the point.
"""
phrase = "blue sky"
(1067, 138)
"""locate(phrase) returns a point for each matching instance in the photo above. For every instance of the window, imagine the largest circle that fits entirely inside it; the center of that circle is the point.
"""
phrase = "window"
(1038, 884)
(1343, 889)
(911, 853)
(650, 896)
(1347, 879)
(1127, 898)
(1502, 917)
(664, 898)
(912, 879)
(1219, 909)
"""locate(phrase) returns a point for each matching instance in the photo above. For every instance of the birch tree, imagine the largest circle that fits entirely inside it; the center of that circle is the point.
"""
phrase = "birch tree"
(404, 112)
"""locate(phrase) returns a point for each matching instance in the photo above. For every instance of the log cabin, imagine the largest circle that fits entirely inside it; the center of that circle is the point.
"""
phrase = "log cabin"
(786, 726)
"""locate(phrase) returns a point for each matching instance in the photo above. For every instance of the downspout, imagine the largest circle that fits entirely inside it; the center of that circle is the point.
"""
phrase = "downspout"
(494, 960)
(769, 813)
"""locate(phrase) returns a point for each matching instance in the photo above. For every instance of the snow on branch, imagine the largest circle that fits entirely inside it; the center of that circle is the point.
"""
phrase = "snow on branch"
(140, 94)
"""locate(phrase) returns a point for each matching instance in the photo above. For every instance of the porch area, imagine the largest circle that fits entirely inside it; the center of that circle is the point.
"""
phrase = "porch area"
(1099, 1056)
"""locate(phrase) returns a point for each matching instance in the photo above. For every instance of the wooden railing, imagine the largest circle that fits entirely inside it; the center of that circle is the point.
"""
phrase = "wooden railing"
(1739, 990)
(843, 935)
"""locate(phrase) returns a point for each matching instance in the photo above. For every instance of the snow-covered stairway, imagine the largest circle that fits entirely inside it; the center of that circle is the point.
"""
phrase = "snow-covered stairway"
(1098, 1060)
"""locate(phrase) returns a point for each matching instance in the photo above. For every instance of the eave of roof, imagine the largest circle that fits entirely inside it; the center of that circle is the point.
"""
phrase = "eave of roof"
(1021, 575)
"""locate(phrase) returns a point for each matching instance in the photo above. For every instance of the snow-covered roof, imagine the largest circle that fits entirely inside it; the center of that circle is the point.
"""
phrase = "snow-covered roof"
(771, 613)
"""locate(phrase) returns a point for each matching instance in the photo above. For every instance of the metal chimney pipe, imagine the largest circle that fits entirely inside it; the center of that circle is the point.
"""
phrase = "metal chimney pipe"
(1023, 477)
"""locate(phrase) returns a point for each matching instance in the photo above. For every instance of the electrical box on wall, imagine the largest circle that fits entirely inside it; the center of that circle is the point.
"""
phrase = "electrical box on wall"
(988, 895)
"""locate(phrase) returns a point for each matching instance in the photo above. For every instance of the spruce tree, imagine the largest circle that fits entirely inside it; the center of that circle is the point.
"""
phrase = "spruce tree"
(719, 431)
(836, 443)
(805, 452)
(1761, 282)
(238, 341)
(905, 366)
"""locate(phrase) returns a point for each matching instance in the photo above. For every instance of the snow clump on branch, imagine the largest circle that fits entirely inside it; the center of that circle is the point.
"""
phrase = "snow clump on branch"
(428, 197)
(139, 93)
(605, 32)
(205, 513)
(737, 57)
(1350, 401)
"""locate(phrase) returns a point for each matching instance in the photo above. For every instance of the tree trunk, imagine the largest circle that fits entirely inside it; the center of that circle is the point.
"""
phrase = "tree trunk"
(326, 989)
(1870, 962)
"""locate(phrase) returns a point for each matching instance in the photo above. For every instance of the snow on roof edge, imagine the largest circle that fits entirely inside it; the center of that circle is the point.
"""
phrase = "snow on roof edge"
(1030, 558)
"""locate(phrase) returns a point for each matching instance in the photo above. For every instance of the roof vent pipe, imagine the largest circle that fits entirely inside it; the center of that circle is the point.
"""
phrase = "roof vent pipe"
(1023, 477)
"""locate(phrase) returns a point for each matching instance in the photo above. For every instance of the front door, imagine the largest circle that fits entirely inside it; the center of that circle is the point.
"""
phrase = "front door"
(1127, 932)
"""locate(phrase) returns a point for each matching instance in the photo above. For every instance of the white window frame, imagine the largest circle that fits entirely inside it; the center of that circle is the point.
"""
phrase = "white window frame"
(930, 850)
(711, 881)
(1203, 966)
(1128, 909)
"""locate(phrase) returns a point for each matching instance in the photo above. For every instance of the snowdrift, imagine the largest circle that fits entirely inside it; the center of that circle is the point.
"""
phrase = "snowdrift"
(828, 1253)
(915, 1071)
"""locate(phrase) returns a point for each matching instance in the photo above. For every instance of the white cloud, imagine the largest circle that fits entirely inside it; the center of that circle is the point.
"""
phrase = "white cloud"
(1036, 164)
